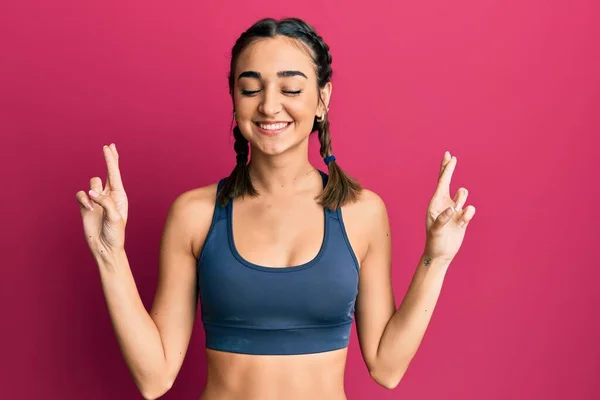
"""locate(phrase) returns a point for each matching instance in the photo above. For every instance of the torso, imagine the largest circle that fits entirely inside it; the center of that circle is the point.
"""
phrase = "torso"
(263, 234)
(298, 377)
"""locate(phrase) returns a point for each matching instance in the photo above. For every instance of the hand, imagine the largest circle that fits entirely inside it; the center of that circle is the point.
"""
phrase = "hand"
(446, 220)
(105, 216)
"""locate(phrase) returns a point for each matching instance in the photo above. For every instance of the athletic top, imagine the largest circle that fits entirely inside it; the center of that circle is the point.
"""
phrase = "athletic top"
(254, 309)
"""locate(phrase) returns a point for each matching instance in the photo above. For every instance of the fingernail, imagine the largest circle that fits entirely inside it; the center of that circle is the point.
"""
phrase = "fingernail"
(90, 207)
(93, 193)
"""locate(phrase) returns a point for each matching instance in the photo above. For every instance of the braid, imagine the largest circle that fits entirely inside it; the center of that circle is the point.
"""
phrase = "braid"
(238, 183)
(241, 147)
(325, 138)
(323, 58)
(326, 72)
(340, 188)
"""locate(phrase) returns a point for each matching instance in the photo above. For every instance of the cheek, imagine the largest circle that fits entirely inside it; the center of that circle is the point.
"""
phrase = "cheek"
(245, 107)
(302, 110)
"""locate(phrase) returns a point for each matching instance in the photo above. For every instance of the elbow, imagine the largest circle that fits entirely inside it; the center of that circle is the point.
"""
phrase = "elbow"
(154, 393)
(387, 379)
(154, 390)
(149, 395)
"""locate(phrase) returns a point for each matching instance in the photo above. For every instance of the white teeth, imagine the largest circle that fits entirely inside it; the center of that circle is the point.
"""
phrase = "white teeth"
(273, 127)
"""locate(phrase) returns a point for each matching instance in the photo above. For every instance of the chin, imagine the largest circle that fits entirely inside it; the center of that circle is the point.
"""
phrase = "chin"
(273, 144)
(271, 149)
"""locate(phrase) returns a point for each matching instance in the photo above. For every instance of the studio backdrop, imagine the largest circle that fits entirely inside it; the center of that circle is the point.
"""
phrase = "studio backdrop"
(512, 88)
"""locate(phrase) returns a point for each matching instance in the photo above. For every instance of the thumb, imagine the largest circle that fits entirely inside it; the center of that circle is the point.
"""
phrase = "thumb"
(107, 204)
(443, 218)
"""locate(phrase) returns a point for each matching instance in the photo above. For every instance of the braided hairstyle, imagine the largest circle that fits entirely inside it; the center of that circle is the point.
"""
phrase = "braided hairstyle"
(340, 188)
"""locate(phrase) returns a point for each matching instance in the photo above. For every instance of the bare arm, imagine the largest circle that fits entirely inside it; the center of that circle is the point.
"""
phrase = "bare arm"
(390, 338)
(154, 344)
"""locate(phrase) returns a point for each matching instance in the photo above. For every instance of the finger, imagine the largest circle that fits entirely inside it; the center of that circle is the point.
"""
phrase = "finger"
(445, 160)
(113, 147)
(107, 187)
(443, 219)
(84, 201)
(114, 176)
(460, 198)
(107, 204)
(443, 187)
(96, 184)
(467, 216)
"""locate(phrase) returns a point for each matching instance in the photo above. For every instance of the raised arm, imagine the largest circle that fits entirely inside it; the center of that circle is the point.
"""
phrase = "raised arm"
(390, 337)
(153, 343)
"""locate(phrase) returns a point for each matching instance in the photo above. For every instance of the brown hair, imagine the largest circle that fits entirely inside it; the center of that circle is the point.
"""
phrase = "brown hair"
(340, 188)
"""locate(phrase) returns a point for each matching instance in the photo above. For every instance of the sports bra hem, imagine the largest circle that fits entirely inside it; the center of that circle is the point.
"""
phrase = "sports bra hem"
(279, 353)
(276, 328)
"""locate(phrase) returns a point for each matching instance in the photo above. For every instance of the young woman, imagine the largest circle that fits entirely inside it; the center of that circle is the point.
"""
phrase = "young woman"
(281, 255)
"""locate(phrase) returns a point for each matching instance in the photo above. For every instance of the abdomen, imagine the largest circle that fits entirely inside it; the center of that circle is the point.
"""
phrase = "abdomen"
(251, 377)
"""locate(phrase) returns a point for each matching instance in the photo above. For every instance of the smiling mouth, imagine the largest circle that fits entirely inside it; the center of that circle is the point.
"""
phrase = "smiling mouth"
(272, 128)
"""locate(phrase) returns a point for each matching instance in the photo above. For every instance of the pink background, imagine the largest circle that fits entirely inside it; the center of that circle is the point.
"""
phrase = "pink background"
(510, 87)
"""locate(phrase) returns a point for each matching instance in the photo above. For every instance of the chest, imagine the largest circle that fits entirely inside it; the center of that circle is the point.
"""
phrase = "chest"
(278, 267)
(278, 234)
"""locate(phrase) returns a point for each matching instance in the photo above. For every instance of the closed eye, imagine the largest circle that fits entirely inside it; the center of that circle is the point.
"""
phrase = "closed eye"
(249, 92)
(287, 92)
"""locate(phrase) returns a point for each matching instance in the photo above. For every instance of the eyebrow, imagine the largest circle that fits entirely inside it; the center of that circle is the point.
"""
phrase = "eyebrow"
(281, 74)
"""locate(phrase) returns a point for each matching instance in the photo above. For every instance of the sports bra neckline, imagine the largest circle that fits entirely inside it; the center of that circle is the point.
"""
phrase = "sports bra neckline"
(292, 268)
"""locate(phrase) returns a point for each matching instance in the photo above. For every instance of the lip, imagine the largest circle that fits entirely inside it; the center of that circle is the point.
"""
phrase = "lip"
(271, 132)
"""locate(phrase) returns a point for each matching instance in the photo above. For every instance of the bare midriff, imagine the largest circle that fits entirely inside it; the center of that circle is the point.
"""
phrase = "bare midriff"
(291, 377)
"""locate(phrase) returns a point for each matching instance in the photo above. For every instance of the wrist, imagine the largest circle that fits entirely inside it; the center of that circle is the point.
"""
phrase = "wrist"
(109, 259)
(434, 263)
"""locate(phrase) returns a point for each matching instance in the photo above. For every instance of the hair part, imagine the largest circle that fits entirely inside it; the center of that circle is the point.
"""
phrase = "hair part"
(340, 188)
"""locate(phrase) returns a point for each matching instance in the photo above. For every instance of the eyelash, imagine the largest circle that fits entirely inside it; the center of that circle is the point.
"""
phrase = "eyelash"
(288, 92)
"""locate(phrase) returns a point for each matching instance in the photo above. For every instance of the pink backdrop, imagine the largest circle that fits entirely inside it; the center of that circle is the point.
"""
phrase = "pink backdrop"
(510, 87)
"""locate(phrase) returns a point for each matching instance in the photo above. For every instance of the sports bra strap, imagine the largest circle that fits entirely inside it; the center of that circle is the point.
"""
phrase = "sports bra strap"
(220, 212)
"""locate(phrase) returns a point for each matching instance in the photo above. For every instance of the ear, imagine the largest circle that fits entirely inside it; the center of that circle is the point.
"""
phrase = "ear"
(325, 93)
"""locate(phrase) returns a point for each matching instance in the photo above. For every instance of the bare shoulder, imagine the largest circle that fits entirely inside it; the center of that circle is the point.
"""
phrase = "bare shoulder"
(192, 211)
(363, 219)
(367, 206)
(203, 197)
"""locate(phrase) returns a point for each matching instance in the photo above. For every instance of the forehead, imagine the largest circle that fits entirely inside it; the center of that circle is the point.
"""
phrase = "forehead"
(270, 55)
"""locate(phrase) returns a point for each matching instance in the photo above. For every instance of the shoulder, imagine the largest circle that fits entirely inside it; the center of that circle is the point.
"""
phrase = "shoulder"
(191, 212)
(197, 201)
(368, 208)
(365, 220)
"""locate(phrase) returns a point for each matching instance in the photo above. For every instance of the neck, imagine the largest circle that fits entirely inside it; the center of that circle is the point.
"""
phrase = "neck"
(282, 173)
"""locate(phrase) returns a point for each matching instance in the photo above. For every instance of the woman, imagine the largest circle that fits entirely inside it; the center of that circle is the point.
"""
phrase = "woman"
(275, 251)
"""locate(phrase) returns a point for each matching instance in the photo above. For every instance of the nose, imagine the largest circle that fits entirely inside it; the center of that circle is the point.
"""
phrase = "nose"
(270, 104)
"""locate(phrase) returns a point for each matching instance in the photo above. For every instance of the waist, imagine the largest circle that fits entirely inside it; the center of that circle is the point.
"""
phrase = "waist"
(249, 377)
